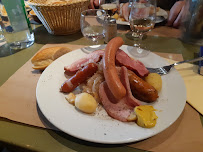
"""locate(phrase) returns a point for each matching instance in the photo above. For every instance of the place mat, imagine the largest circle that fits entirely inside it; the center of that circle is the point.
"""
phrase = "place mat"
(184, 135)
(194, 84)
(18, 95)
(18, 103)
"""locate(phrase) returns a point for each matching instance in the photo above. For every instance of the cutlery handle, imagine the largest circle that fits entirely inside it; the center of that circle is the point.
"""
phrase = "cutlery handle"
(190, 61)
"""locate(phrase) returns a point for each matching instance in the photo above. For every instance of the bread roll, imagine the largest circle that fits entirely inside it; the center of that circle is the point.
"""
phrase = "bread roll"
(60, 2)
(45, 57)
(32, 12)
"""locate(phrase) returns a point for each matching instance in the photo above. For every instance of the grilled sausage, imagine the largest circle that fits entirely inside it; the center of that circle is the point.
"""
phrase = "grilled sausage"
(109, 68)
(81, 76)
(141, 89)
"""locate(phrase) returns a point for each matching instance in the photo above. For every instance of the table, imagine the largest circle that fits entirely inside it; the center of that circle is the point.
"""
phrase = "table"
(22, 137)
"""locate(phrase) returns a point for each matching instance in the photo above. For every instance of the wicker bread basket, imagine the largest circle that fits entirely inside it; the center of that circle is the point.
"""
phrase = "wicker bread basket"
(59, 18)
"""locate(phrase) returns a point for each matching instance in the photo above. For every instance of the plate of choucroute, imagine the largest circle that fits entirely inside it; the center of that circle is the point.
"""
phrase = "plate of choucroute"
(88, 116)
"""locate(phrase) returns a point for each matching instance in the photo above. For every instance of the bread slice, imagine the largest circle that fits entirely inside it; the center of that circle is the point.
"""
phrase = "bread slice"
(45, 57)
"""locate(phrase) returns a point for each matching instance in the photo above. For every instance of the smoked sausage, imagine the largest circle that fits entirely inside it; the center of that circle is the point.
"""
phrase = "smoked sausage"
(81, 76)
(141, 89)
(109, 68)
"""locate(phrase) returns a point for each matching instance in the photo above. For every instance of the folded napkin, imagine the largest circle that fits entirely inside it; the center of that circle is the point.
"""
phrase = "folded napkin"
(193, 83)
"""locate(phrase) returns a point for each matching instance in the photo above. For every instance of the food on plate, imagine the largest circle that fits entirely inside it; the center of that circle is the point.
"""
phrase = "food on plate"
(155, 80)
(115, 81)
(122, 108)
(152, 10)
(109, 68)
(146, 117)
(46, 56)
(71, 98)
(157, 9)
(92, 57)
(86, 103)
(93, 83)
(141, 89)
(136, 66)
(132, 117)
(124, 13)
(118, 17)
(81, 76)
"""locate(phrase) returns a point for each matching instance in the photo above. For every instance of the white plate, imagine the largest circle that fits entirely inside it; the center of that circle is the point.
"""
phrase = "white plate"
(100, 127)
(161, 16)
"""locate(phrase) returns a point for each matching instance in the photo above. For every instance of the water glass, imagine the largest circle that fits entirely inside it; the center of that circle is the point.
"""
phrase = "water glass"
(16, 26)
(91, 23)
(1, 35)
(192, 22)
(130, 3)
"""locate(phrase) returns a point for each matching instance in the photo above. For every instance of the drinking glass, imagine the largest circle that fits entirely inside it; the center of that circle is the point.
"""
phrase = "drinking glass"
(142, 19)
(130, 3)
(1, 34)
(110, 6)
(91, 23)
(15, 24)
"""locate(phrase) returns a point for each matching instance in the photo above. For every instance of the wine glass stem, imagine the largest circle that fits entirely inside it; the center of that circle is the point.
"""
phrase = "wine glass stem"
(137, 35)
(94, 41)
(138, 38)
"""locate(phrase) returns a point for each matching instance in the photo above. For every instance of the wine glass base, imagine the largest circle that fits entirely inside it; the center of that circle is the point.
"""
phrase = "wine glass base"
(130, 36)
(92, 48)
(138, 52)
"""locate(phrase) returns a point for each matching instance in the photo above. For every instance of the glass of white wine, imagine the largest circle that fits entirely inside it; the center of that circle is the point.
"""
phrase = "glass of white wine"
(110, 6)
(142, 19)
(91, 23)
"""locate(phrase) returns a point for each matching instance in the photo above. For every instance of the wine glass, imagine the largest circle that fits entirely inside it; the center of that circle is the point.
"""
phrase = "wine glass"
(130, 3)
(110, 6)
(91, 23)
(142, 19)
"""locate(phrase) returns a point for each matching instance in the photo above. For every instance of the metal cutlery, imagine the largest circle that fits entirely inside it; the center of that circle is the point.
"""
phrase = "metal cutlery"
(165, 69)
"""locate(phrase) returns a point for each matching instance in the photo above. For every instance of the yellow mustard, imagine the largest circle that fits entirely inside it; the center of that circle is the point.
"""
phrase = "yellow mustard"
(146, 117)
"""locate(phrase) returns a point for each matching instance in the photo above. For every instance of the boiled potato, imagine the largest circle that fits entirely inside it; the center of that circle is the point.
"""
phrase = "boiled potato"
(86, 103)
(132, 117)
(71, 98)
(155, 80)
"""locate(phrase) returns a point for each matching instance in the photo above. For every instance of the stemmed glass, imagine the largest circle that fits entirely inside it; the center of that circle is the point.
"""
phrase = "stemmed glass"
(142, 19)
(91, 23)
(110, 6)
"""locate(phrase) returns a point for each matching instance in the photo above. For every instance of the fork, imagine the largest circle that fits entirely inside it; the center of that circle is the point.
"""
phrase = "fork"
(165, 69)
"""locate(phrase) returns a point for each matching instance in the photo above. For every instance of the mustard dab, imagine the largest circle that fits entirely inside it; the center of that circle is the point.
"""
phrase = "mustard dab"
(146, 117)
